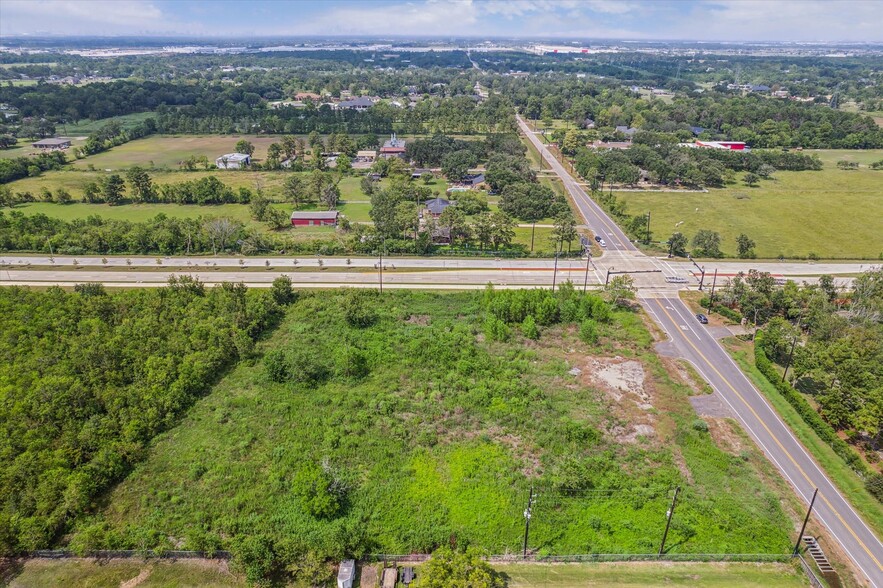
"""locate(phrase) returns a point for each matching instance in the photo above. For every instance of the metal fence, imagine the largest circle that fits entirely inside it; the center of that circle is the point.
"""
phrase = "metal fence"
(128, 553)
(603, 557)
(813, 579)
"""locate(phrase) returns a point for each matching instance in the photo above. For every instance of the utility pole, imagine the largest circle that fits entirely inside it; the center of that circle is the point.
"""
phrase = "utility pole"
(588, 262)
(702, 280)
(648, 227)
(555, 272)
(607, 279)
(381, 267)
(805, 521)
(790, 356)
(527, 515)
(532, 231)
(713, 284)
(669, 514)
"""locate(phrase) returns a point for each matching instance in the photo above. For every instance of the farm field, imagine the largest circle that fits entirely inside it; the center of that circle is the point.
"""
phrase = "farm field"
(440, 432)
(832, 213)
(168, 150)
(639, 575)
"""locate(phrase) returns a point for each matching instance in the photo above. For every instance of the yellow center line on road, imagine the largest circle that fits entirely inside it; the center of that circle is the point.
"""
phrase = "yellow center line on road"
(776, 439)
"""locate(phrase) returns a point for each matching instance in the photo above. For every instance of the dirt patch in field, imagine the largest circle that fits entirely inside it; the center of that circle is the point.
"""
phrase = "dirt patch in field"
(418, 319)
(145, 573)
(369, 576)
(721, 430)
(624, 382)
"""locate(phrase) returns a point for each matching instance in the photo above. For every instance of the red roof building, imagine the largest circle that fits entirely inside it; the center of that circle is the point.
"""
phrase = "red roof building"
(731, 145)
(324, 218)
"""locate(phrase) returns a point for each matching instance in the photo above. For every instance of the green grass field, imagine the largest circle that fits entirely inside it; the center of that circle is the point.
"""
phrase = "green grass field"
(86, 126)
(84, 573)
(168, 150)
(271, 182)
(183, 573)
(832, 213)
(641, 575)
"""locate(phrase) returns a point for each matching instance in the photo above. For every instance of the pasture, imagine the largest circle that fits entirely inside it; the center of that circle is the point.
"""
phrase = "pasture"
(831, 213)
(167, 151)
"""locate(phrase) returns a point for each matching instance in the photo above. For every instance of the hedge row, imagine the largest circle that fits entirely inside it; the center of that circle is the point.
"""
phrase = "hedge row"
(722, 310)
(812, 418)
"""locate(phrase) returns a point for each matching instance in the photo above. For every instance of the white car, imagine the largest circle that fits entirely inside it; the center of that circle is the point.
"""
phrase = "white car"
(602, 243)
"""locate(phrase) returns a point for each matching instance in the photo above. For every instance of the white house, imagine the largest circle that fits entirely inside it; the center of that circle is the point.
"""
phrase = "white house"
(233, 161)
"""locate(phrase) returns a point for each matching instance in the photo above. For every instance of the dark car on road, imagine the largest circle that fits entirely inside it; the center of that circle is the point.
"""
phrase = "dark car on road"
(702, 319)
(598, 238)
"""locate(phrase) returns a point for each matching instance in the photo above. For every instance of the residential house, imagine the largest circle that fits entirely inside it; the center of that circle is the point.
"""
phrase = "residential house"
(627, 131)
(419, 173)
(304, 96)
(313, 218)
(394, 147)
(233, 161)
(609, 145)
(365, 156)
(588, 124)
(52, 144)
(758, 88)
(472, 180)
(731, 145)
(436, 206)
(360, 103)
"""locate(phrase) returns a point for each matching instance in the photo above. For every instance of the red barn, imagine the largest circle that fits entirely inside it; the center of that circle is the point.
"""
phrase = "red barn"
(325, 218)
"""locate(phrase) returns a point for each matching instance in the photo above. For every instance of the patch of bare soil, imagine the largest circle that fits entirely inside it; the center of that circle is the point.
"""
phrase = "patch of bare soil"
(369, 576)
(418, 319)
(623, 382)
(145, 573)
(721, 430)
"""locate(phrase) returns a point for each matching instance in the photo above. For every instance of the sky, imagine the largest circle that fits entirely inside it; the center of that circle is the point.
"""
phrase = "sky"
(713, 20)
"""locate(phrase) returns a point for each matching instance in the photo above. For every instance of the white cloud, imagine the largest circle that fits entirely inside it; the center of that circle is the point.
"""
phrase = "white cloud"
(81, 17)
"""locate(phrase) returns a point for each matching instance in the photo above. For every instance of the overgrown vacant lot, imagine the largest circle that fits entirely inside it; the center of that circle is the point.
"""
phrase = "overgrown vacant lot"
(401, 423)
(832, 212)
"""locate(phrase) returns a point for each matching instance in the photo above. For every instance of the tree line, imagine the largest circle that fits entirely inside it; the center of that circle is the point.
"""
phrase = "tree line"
(91, 377)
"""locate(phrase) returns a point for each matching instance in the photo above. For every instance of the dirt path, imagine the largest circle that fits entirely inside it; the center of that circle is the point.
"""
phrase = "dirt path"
(145, 573)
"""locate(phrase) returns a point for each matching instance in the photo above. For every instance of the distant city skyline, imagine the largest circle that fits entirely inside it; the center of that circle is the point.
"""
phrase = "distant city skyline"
(700, 20)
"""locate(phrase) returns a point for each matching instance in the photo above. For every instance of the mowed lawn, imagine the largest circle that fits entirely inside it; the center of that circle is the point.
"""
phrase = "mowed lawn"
(640, 575)
(170, 150)
(117, 572)
(269, 181)
(832, 213)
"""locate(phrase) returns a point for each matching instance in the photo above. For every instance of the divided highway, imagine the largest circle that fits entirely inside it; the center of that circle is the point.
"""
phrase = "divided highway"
(696, 345)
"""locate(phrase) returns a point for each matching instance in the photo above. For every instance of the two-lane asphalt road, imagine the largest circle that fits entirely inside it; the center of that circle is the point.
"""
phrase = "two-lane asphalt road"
(596, 218)
(695, 344)
(761, 422)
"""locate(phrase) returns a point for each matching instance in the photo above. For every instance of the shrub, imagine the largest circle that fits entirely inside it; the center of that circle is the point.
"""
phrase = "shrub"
(357, 312)
(495, 329)
(529, 328)
(588, 332)
(277, 366)
(874, 484)
(312, 485)
(700, 425)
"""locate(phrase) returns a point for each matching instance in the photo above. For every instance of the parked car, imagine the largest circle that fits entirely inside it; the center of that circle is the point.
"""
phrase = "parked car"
(602, 243)
(702, 318)
(598, 238)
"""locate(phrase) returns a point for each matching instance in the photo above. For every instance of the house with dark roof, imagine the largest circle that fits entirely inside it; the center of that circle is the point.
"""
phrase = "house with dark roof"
(697, 130)
(360, 103)
(472, 179)
(759, 88)
(627, 131)
(52, 143)
(436, 206)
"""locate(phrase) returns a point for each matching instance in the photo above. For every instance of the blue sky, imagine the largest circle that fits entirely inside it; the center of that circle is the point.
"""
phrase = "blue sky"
(725, 20)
